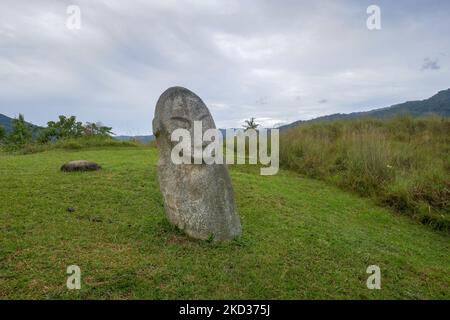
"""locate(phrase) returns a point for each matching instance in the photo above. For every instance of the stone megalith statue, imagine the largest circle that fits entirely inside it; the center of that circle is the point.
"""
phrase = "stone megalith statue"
(198, 198)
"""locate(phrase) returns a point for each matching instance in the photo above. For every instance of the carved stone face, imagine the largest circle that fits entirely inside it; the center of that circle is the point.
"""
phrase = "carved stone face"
(178, 108)
(197, 198)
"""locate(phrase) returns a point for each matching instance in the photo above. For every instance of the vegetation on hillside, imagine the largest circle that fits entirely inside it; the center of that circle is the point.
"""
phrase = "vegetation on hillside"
(70, 128)
(403, 162)
(6, 123)
(20, 135)
(66, 133)
(2, 133)
(302, 239)
(439, 104)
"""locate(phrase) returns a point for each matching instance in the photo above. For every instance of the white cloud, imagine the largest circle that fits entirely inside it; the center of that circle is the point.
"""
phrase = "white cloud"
(265, 59)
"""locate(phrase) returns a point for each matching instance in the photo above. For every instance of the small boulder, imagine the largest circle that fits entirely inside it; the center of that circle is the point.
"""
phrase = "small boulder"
(80, 165)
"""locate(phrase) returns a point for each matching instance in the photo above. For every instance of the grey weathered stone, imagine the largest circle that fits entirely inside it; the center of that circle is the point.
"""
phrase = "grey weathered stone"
(198, 198)
(80, 165)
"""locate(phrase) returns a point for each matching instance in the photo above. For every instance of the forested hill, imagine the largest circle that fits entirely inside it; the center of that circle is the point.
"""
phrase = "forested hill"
(6, 122)
(438, 104)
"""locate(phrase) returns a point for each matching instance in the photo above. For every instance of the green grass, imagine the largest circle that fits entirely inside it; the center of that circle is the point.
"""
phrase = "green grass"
(302, 239)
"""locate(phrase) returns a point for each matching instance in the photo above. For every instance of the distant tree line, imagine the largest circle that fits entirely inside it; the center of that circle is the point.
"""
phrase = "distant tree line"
(23, 133)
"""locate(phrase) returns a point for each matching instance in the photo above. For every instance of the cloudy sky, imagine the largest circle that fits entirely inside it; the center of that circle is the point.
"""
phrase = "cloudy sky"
(278, 61)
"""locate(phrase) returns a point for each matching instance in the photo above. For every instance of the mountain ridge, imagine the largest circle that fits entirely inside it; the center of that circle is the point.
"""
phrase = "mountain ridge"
(6, 122)
(438, 104)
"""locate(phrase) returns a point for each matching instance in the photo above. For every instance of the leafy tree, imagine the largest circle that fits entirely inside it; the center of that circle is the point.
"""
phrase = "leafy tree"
(69, 127)
(21, 133)
(64, 128)
(250, 124)
(97, 129)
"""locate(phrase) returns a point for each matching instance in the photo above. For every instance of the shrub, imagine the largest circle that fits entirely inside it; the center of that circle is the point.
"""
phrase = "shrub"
(74, 144)
(92, 142)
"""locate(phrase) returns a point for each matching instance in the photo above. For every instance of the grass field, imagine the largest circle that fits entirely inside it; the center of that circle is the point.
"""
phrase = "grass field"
(302, 239)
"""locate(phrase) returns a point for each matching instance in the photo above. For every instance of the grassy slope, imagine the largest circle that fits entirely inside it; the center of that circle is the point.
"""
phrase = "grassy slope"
(403, 162)
(302, 238)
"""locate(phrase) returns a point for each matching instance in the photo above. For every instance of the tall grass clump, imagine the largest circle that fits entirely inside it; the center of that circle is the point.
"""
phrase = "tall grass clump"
(402, 162)
(84, 142)
(92, 142)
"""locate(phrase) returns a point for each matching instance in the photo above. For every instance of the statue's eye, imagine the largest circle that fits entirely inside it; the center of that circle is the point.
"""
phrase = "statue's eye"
(206, 120)
(180, 122)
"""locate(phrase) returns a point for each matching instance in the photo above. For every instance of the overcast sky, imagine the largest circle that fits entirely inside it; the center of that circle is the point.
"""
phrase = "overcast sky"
(278, 61)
